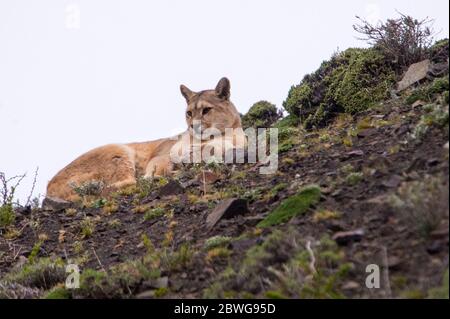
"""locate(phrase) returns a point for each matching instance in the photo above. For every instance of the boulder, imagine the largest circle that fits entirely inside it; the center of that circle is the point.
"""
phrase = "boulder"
(54, 204)
(227, 208)
(170, 189)
(416, 73)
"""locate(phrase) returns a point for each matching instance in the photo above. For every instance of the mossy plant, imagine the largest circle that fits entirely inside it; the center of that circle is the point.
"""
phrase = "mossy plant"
(217, 241)
(441, 292)
(58, 292)
(154, 213)
(352, 81)
(354, 178)
(325, 214)
(7, 215)
(293, 206)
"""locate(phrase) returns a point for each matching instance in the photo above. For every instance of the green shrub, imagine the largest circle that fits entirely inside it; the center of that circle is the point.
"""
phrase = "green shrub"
(262, 114)
(352, 81)
(7, 215)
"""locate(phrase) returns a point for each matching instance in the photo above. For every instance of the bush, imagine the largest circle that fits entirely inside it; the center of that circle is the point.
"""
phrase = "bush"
(262, 114)
(403, 41)
(352, 81)
(422, 204)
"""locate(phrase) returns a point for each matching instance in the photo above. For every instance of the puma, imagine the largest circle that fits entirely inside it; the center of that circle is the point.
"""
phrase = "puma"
(119, 165)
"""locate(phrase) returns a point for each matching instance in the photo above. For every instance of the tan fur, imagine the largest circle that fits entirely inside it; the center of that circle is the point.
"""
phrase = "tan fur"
(118, 165)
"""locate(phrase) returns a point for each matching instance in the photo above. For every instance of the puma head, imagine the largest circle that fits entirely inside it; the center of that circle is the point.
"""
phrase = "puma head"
(210, 109)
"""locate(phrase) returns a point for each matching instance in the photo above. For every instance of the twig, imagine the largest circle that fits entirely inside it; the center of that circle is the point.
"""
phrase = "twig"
(312, 266)
(33, 187)
(98, 259)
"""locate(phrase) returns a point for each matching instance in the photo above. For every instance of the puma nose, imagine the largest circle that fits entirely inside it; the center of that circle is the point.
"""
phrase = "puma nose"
(196, 127)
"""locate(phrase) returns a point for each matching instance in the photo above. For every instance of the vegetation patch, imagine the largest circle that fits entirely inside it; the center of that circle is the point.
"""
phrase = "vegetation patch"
(293, 206)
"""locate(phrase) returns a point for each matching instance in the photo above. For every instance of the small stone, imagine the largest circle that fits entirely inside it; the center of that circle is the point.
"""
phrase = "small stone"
(392, 182)
(367, 132)
(356, 153)
(344, 238)
(171, 188)
(418, 103)
(351, 285)
(227, 208)
(435, 247)
(146, 294)
(55, 204)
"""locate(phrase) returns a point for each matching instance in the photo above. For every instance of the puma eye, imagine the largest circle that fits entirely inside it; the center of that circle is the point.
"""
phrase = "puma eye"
(206, 110)
(189, 113)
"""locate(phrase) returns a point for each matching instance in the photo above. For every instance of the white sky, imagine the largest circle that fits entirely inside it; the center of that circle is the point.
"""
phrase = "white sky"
(69, 85)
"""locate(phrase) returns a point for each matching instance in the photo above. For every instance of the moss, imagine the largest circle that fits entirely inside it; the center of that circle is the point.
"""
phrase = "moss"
(161, 292)
(435, 116)
(354, 178)
(217, 241)
(324, 214)
(273, 294)
(441, 292)
(58, 293)
(293, 206)
(430, 92)
(351, 82)
(262, 114)
(154, 213)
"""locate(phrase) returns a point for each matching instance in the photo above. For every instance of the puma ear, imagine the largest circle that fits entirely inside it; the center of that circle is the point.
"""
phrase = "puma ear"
(223, 89)
(188, 94)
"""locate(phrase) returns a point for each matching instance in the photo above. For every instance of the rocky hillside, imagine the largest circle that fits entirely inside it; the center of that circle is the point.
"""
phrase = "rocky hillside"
(363, 179)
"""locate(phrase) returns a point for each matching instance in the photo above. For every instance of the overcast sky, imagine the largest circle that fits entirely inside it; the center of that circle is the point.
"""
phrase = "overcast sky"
(79, 74)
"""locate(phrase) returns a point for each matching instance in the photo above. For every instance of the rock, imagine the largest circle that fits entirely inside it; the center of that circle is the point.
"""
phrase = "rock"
(54, 204)
(394, 263)
(344, 238)
(433, 162)
(439, 233)
(149, 294)
(416, 73)
(207, 177)
(435, 247)
(227, 208)
(355, 153)
(392, 182)
(351, 285)
(367, 132)
(171, 188)
(446, 146)
(438, 69)
(419, 103)
(253, 220)
(190, 183)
